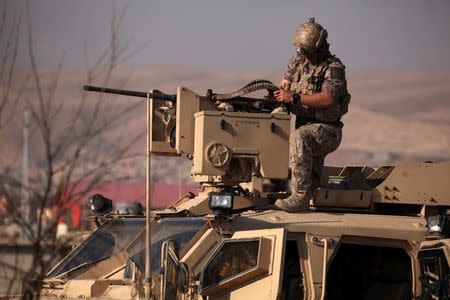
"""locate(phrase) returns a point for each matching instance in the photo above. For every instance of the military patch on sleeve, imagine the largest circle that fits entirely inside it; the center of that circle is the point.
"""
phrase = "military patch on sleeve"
(337, 73)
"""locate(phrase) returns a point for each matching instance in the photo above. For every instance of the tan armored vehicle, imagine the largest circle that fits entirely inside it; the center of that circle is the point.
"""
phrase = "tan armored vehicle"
(370, 234)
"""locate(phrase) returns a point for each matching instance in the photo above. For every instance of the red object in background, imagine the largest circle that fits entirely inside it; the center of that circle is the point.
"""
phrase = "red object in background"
(163, 195)
(76, 216)
(72, 213)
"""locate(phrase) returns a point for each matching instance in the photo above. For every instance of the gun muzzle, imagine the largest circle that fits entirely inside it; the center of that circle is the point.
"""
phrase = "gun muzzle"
(160, 96)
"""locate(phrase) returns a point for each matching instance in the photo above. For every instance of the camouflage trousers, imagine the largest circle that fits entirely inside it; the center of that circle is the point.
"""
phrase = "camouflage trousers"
(309, 145)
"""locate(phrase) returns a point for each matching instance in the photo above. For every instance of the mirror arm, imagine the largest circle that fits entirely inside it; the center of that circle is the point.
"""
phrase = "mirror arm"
(324, 267)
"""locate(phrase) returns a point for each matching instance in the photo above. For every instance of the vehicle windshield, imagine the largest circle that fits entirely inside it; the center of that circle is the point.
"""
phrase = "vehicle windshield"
(180, 230)
(112, 237)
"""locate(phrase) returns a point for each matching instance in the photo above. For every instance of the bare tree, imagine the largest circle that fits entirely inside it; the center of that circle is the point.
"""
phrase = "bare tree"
(9, 44)
(70, 150)
(10, 92)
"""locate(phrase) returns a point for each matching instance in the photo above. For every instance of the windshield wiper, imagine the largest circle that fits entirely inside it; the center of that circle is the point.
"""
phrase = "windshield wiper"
(80, 266)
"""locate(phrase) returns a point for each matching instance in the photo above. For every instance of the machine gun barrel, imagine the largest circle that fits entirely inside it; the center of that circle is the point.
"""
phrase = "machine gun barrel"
(159, 96)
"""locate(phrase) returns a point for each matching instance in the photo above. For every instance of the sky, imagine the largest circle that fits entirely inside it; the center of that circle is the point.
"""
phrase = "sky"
(241, 34)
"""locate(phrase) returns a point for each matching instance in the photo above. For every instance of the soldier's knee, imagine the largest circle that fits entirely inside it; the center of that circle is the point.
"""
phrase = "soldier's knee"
(305, 138)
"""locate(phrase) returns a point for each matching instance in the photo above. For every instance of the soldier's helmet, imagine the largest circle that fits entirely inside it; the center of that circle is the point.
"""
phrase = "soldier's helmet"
(310, 37)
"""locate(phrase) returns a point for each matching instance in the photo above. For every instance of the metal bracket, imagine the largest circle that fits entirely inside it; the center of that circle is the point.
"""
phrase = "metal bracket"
(316, 240)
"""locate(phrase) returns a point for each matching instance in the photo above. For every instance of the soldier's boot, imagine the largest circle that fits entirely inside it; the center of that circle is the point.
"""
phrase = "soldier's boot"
(298, 201)
(301, 161)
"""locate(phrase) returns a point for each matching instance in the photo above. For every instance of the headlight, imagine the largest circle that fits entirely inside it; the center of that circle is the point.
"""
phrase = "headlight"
(439, 224)
(221, 202)
(434, 224)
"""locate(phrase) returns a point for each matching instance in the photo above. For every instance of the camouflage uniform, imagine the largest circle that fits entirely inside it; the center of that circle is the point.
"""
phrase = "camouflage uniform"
(318, 131)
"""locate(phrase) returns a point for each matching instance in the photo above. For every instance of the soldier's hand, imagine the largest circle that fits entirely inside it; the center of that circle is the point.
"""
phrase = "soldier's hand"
(283, 96)
(283, 83)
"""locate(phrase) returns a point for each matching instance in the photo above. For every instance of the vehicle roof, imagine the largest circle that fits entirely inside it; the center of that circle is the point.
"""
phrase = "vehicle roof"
(338, 224)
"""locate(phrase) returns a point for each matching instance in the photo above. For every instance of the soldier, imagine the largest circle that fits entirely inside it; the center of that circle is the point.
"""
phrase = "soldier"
(316, 87)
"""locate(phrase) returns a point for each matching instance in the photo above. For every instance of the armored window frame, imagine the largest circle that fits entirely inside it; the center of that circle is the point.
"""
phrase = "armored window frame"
(118, 243)
(434, 281)
(260, 268)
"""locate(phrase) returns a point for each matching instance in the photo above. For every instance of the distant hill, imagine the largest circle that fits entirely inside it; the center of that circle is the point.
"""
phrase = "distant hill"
(393, 115)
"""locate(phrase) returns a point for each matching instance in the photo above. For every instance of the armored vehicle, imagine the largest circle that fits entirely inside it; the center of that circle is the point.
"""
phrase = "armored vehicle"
(370, 233)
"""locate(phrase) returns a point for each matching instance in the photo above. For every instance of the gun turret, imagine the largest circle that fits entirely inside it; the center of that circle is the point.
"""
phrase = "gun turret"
(235, 99)
(230, 137)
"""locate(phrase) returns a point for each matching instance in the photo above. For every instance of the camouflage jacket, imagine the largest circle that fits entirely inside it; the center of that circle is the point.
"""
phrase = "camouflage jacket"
(327, 76)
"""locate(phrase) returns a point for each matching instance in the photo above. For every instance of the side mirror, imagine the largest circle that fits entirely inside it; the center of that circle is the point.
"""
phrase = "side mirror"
(169, 269)
(183, 278)
(175, 274)
(100, 205)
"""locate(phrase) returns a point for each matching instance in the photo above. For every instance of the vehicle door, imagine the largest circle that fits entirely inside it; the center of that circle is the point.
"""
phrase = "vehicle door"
(249, 264)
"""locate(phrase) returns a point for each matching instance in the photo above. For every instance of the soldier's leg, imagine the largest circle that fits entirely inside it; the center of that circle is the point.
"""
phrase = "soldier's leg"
(301, 162)
(309, 145)
(327, 139)
(317, 167)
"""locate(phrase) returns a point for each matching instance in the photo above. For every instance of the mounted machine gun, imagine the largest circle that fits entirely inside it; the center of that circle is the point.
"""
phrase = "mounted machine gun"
(229, 137)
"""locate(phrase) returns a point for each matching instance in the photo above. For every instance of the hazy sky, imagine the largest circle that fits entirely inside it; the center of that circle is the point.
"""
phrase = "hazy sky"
(245, 34)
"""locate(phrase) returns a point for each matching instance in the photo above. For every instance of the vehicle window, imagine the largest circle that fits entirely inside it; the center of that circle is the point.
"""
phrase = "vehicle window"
(435, 274)
(369, 272)
(232, 259)
(112, 237)
(180, 230)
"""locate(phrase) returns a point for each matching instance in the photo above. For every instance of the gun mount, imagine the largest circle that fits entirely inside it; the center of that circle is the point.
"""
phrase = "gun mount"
(229, 138)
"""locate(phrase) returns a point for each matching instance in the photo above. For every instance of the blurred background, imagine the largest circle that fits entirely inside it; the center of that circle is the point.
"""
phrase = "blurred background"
(59, 145)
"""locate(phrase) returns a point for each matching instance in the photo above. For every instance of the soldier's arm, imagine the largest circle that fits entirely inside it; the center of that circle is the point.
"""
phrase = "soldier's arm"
(283, 84)
(332, 87)
(335, 82)
(317, 100)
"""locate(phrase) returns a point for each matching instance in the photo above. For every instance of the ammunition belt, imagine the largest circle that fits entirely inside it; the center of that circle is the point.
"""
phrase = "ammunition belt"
(255, 85)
